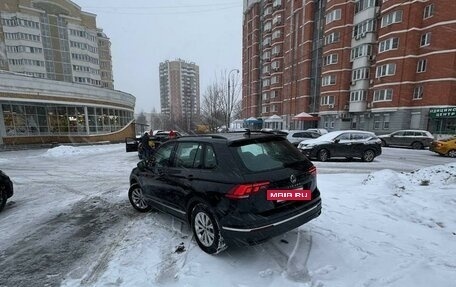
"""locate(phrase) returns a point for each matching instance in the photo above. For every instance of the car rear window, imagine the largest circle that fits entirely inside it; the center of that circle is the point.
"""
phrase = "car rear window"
(260, 155)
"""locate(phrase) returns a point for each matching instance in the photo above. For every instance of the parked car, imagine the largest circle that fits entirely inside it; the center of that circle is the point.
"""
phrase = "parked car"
(348, 144)
(297, 136)
(444, 147)
(218, 184)
(415, 139)
(319, 131)
(6, 189)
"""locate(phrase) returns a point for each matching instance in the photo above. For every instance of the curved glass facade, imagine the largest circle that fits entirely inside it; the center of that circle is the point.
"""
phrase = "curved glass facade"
(34, 119)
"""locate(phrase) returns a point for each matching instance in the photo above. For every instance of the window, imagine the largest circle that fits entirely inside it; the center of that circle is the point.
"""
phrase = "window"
(333, 16)
(267, 55)
(376, 122)
(386, 121)
(274, 94)
(266, 82)
(188, 155)
(363, 5)
(267, 41)
(273, 108)
(266, 69)
(418, 93)
(358, 96)
(330, 59)
(163, 156)
(421, 67)
(275, 65)
(276, 34)
(389, 44)
(277, 3)
(328, 80)
(274, 80)
(265, 109)
(265, 96)
(425, 39)
(383, 95)
(210, 160)
(277, 19)
(360, 30)
(385, 70)
(332, 38)
(267, 26)
(327, 100)
(360, 74)
(275, 50)
(361, 51)
(428, 11)
(391, 18)
(267, 11)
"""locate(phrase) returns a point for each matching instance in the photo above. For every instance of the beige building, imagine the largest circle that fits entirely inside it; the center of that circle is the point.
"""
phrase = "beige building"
(56, 81)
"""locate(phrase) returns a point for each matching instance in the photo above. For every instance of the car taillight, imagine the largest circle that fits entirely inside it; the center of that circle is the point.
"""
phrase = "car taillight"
(245, 190)
(313, 171)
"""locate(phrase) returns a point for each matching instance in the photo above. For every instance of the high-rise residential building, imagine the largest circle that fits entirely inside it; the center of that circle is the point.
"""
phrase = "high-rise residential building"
(365, 64)
(48, 40)
(180, 93)
(56, 77)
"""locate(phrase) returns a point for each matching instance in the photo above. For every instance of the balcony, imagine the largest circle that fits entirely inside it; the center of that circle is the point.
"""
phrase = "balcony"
(356, 107)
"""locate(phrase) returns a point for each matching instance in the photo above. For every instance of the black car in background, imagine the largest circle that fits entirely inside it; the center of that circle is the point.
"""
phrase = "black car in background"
(218, 184)
(6, 189)
(348, 144)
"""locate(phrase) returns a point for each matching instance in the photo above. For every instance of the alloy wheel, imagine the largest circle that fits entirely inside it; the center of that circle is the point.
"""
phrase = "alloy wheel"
(368, 156)
(452, 153)
(204, 229)
(323, 155)
(138, 198)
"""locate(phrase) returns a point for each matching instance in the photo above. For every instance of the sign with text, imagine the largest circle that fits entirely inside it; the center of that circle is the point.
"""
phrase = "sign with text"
(289, 194)
(436, 113)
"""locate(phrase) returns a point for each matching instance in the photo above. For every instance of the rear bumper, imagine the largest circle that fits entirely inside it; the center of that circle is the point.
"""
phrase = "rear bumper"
(255, 234)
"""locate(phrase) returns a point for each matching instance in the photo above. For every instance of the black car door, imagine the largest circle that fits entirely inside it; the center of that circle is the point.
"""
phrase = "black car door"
(179, 176)
(154, 179)
(341, 146)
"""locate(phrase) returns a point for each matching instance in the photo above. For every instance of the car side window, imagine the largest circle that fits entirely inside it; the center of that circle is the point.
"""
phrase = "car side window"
(210, 160)
(163, 155)
(187, 155)
(358, 136)
(398, 134)
(419, 134)
(409, 134)
(344, 136)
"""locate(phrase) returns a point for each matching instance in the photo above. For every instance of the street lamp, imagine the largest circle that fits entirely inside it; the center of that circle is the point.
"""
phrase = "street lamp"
(230, 101)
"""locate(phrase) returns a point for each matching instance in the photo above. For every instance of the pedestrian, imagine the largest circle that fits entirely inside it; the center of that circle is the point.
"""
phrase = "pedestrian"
(146, 148)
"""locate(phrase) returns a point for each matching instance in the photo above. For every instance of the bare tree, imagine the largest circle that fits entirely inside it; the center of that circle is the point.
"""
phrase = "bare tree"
(217, 105)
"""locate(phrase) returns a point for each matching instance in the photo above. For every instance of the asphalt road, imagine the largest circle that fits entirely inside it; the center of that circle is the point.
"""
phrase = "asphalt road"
(397, 159)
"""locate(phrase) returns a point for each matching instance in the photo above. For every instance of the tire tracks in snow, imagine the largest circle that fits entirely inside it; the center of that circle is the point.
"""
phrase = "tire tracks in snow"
(48, 253)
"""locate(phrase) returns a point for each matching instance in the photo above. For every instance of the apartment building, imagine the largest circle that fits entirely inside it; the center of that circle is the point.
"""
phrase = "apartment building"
(54, 40)
(56, 80)
(366, 64)
(179, 93)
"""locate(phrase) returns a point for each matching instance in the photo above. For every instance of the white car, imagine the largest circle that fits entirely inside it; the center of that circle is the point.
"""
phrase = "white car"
(319, 131)
(297, 136)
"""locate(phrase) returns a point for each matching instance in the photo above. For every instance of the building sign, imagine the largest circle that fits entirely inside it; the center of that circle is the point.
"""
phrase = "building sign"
(438, 113)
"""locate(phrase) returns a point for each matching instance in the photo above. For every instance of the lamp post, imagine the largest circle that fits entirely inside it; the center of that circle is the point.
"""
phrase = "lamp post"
(230, 99)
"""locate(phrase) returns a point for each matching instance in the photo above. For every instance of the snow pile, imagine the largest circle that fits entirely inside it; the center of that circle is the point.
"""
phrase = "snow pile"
(439, 175)
(70, 151)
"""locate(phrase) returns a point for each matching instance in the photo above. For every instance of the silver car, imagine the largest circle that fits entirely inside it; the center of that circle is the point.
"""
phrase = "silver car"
(416, 139)
(297, 136)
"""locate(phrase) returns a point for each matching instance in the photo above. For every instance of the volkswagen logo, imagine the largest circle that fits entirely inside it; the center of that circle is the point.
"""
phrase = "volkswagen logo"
(293, 179)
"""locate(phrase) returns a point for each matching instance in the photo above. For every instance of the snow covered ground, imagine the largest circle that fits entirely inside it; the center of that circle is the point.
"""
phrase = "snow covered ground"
(70, 224)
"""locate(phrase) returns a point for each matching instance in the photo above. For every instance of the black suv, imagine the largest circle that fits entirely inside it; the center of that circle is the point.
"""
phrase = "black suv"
(6, 189)
(219, 183)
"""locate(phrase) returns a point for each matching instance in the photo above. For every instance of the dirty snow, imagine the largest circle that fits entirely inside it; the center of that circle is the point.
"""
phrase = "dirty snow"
(70, 224)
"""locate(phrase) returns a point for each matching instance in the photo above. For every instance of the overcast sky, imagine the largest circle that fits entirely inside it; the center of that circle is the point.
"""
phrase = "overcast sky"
(146, 32)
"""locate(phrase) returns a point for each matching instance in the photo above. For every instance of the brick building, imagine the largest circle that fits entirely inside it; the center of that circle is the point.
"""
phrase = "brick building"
(367, 64)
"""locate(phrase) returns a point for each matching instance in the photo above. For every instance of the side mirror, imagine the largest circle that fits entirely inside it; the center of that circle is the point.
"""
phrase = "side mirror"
(336, 140)
(142, 165)
(392, 136)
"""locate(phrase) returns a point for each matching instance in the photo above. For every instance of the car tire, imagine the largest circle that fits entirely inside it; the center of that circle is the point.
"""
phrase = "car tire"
(3, 197)
(452, 153)
(323, 155)
(384, 143)
(137, 200)
(206, 229)
(368, 155)
(417, 145)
